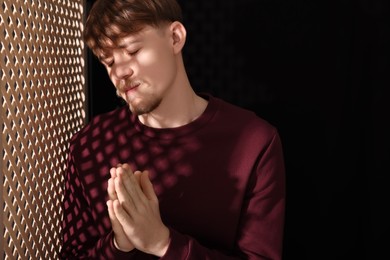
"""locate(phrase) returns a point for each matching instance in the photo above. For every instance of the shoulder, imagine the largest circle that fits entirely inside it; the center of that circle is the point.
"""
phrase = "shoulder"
(244, 120)
(100, 124)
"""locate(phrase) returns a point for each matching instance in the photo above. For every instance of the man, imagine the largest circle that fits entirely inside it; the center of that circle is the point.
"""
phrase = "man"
(173, 174)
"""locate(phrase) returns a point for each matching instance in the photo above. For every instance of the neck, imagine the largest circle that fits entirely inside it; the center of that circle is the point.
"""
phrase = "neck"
(179, 110)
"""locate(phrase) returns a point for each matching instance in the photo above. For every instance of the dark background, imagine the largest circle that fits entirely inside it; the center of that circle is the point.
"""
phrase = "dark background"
(319, 71)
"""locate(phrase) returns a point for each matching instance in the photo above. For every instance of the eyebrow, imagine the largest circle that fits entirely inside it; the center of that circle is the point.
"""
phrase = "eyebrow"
(127, 43)
(103, 57)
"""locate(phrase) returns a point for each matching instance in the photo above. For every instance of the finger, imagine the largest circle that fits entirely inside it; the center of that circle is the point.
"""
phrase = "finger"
(116, 225)
(121, 215)
(120, 237)
(131, 185)
(137, 175)
(111, 189)
(124, 197)
(127, 167)
(113, 172)
(147, 186)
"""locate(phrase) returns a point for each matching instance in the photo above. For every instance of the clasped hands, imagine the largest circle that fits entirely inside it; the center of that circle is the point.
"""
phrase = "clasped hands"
(134, 212)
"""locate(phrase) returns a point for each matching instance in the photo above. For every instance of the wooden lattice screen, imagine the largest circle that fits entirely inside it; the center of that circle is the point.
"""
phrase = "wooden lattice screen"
(43, 105)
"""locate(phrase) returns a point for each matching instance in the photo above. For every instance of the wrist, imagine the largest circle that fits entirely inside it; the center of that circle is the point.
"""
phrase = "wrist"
(120, 248)
(164, 244)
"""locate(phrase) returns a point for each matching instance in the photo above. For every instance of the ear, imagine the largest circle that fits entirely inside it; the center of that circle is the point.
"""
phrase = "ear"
(178, 34)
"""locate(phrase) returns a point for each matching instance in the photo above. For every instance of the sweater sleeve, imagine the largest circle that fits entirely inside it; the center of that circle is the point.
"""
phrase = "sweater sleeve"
(80, 234)
(261, 227)
(260, 232)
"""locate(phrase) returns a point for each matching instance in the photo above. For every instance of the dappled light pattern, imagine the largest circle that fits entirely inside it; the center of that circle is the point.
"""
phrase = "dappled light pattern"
(104, 144)
(42, 89)
(210, 176)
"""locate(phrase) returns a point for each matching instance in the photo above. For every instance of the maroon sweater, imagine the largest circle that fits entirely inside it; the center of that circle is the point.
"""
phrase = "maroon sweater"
(220, 183)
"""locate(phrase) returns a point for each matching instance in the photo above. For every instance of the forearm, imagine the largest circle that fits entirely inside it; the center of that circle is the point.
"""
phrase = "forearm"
(84, 235)
(103, 248)
(185, 247)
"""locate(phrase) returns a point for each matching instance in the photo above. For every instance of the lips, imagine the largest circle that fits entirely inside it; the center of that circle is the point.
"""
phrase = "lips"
(129, 87)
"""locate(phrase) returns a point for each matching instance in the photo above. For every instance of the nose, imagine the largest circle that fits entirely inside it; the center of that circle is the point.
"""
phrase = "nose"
(121, 69)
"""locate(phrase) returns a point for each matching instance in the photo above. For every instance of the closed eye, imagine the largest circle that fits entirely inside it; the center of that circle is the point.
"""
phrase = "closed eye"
(132, 52)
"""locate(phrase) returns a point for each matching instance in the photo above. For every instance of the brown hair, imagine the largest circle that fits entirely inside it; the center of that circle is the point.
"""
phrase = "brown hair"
(110, 20)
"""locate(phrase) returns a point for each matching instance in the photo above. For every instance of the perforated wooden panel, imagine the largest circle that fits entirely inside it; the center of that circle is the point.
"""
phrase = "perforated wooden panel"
(42, 87)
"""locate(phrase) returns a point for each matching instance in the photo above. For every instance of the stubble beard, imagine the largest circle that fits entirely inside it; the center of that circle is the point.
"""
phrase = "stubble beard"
(142, 106)
(141, 109)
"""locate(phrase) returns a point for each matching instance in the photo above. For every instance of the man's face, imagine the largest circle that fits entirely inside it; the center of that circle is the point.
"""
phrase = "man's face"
(142, 68)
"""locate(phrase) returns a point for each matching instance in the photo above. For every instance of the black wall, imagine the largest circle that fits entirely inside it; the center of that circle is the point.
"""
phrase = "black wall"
(319, 71)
